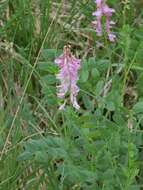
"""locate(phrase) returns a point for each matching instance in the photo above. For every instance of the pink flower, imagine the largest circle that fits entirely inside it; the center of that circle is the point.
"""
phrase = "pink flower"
(98, 2)
(68, 76)
(103, 10)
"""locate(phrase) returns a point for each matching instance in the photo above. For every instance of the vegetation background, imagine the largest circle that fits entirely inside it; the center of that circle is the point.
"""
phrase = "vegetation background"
(99, 147)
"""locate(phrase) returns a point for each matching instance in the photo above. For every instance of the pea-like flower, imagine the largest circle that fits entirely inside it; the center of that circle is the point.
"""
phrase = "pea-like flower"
(68, 76)
(103, 10)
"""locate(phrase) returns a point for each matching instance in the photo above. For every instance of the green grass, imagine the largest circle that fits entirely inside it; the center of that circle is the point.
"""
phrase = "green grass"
(43, 148)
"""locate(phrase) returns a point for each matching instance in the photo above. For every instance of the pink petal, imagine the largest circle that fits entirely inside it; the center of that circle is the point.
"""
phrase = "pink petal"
(112, 37)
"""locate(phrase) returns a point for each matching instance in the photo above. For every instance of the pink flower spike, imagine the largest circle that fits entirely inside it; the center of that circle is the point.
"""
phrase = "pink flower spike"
(68, 76)
(103, 10)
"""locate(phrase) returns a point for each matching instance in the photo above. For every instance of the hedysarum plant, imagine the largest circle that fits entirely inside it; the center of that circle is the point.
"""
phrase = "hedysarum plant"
(103, 10)
(68, 76)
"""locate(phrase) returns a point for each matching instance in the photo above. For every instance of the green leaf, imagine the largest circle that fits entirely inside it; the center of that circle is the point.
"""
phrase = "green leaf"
(99, 87)
(84, 72)
(84, 76)
(95, 74)
(87, 102)
(48, 79)
(50, 54)
(41, 157)
(48, 67)
(92, 62)
(25, 156)
(110, 106)
(138, 107)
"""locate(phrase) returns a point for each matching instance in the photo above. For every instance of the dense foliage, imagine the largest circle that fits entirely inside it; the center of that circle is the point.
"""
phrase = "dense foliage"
(99, 146)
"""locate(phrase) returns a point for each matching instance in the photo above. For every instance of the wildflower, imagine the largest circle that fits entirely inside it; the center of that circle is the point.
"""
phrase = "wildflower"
(103, 10)
(68, 76)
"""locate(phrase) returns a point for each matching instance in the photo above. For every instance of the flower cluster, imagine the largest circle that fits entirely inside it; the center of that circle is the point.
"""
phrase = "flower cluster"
(68, 76)
(69, 65)
(103, 10)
